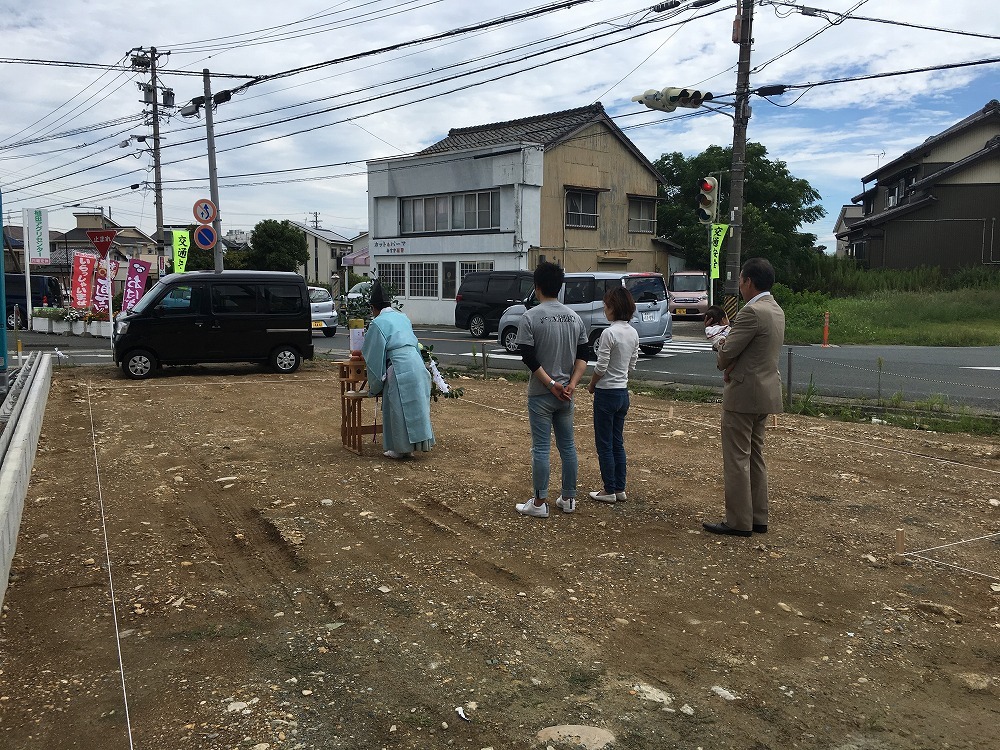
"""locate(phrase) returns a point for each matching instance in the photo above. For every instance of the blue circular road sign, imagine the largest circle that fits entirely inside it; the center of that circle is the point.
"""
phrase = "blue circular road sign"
(204, 237)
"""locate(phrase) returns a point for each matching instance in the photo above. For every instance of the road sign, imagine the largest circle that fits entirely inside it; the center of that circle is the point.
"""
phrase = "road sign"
(205, 211)
(204, 237)
(102, 239)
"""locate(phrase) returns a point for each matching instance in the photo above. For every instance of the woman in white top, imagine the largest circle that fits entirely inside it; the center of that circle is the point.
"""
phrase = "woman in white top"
(617, 354)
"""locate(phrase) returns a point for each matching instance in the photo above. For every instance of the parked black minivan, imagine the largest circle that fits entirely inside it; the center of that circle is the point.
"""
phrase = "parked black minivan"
(205, 316)
(484, 295)
(45, 292)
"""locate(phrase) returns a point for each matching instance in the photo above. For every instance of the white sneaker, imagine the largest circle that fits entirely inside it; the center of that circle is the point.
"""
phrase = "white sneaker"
(600, 497)
(528, 508)
(566, 506)
(621, 497)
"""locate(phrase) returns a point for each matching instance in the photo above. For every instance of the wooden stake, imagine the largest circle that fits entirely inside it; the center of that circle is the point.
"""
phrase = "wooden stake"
(774, 420)
(670, 413)
(900, 547)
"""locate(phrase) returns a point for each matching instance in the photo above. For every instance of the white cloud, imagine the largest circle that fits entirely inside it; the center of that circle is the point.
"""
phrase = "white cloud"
(831, 136)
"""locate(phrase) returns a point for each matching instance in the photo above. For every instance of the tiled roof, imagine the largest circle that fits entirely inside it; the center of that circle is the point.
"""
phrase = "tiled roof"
(547, 130)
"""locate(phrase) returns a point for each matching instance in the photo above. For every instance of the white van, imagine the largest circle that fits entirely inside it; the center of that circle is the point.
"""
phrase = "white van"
(584, 293)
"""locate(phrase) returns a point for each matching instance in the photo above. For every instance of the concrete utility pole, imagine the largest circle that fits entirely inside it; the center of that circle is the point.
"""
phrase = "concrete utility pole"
(742, 35)
(157, 182)
(213, 174)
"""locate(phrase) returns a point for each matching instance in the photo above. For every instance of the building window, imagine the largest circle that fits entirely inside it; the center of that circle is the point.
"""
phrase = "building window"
(581, 209)
(450, 213)
(448, 279)
(423, 280)
(471, 266)
(393, 276)
(642, 215)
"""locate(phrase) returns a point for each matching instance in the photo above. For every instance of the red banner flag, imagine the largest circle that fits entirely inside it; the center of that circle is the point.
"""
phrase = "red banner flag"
(102, 291)
(135, 283)
(83, 279)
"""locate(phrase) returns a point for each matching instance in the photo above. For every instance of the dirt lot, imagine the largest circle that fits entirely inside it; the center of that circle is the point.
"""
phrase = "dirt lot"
(272, 590)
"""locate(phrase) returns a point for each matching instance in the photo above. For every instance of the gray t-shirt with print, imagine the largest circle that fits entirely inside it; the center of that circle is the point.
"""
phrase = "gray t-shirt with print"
(555, 331)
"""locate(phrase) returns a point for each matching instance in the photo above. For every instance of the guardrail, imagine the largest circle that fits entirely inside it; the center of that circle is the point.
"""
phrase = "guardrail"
(21, 414)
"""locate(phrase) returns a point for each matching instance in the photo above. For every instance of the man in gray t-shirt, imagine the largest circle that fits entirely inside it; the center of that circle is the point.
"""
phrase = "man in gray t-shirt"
(552, 341)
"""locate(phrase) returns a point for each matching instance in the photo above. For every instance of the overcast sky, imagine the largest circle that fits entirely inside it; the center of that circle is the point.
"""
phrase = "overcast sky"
(52, 155)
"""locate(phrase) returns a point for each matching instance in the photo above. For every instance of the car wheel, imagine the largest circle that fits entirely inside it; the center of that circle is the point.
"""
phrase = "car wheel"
(592, 344)
(139, 365)
(509, 339)
(285, 359)
(651, 349)
(329, 332)
(477, 326)
(22, 322)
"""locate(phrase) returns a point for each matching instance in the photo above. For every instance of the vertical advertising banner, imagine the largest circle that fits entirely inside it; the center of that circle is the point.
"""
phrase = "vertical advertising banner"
(102, 290)
(182, 244)
(135, 283)
(36, 236)
(718, 234)
(82, 281)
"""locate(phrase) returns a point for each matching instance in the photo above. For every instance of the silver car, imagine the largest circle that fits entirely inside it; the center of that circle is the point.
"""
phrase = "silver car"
(584, 293)
(324, 317)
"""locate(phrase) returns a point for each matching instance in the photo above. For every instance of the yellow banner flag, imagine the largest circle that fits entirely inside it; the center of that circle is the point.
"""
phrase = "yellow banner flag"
(182, 243)
(718, 234)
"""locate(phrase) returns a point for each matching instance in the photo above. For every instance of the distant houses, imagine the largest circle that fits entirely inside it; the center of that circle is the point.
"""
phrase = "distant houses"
(936, 205)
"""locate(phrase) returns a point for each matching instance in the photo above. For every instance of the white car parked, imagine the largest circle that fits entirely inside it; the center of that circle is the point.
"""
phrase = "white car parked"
(324, 316)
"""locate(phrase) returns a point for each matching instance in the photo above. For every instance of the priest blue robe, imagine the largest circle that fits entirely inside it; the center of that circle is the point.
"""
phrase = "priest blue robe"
(397, 372)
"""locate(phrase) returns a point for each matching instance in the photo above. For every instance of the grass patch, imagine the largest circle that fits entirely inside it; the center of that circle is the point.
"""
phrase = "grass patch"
(963, 317)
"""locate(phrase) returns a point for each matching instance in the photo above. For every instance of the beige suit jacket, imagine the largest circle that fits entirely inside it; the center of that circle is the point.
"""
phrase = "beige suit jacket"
(753, 347)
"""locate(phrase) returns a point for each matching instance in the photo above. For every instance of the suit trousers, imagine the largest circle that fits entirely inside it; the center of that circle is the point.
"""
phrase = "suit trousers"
(744, 470)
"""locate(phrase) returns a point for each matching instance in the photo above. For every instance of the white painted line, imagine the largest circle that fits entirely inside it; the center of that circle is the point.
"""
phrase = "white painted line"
(979, 368)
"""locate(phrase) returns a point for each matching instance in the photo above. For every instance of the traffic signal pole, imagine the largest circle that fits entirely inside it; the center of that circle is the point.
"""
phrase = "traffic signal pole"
(213, 173)
(742, 35)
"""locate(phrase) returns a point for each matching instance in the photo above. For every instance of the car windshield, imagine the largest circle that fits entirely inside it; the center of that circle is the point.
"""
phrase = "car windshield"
(318, 294)
(695, 283)
(359, 287)
(646, 288)
(147, 298)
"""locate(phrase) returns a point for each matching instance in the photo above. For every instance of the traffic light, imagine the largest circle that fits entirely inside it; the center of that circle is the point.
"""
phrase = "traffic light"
(708, 199)
(668, 99)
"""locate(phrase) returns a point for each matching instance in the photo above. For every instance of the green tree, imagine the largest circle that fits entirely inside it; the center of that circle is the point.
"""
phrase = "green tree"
(776, 205)
(276, 246)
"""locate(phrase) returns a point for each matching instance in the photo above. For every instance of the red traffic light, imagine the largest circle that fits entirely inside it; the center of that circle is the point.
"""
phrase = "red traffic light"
(705, 185)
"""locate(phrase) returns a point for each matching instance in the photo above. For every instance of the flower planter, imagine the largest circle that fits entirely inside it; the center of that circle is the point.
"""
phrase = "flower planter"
(41, 325)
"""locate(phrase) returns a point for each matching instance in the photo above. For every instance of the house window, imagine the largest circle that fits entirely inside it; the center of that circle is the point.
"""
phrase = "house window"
(424, 280)
(581, 209)
(393, 276)
(450, 213)
(471, 266)
(642, 215)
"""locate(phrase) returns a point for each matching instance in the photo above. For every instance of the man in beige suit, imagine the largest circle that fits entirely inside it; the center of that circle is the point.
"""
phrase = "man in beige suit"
(749, 357)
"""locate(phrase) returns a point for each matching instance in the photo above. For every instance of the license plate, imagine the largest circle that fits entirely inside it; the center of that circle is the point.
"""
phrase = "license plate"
(317, 324)
(648, 316)
(681, 311)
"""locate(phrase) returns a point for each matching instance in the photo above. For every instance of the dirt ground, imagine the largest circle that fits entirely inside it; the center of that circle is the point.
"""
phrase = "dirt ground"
(269, 589)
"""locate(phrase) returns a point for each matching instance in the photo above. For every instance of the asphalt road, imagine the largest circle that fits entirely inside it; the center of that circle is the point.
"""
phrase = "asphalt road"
(968, 376)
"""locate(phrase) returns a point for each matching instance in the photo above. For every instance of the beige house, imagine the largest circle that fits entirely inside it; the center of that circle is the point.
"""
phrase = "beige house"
(567, 187)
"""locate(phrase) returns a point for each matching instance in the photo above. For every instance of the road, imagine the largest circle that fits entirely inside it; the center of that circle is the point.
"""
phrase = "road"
(968, 376)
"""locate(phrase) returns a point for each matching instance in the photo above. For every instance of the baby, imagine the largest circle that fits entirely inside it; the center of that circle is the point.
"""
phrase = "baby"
(716, 325)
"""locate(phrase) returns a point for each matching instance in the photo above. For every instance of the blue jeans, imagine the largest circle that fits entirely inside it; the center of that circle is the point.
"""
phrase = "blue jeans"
(547, 414)
(610, 407)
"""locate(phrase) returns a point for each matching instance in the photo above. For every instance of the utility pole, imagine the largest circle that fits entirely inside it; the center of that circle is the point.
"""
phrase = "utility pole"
(742, 35)
(140, 61)
(213, 174)
(315, 219)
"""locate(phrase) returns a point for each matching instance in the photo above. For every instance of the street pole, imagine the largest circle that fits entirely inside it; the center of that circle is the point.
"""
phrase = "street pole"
(213, 175)
(157, 182)
(745, 40)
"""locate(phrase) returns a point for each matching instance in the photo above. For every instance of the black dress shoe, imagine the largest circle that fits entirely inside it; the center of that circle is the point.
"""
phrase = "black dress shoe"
(760, 528)
(721, 528)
